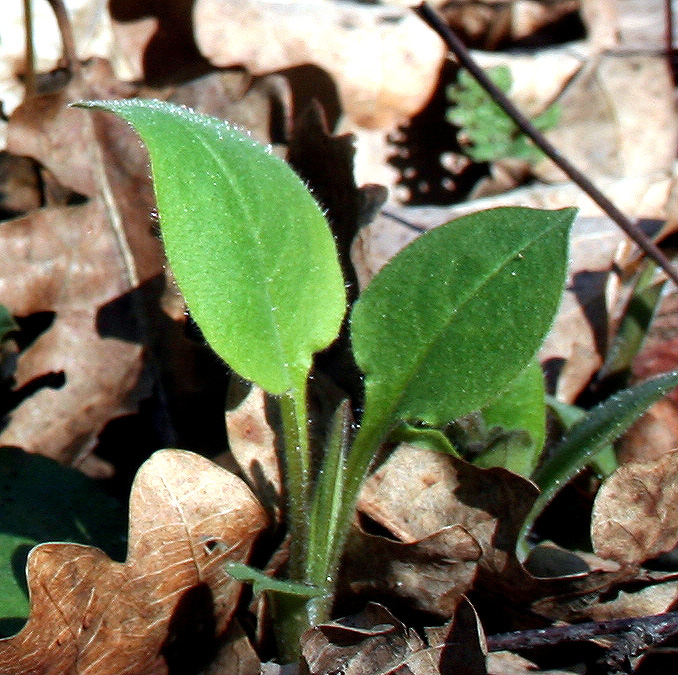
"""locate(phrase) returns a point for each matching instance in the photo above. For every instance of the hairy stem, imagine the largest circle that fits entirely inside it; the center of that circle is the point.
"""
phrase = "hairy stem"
(295, 436)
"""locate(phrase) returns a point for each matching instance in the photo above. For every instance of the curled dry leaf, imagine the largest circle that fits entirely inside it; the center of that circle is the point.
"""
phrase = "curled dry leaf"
(376, 642)
(384, 60)
(431, 573)
(418, 492)
(635, 515)
(88, 264)
(91, 615)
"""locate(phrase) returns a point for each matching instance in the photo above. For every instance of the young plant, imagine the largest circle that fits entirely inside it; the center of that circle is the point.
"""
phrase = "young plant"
(486, 132)
(449, 325)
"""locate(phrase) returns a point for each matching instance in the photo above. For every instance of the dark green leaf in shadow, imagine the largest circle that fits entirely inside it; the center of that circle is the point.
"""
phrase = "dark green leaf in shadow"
(41, 501)
(600, 427)
(7, 323)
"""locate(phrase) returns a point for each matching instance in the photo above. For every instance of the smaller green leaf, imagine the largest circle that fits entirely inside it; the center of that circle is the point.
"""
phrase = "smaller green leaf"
(521, 406)
(600, 427)
(423, 437)
(262, 582)
(512, 450)
(630, 335)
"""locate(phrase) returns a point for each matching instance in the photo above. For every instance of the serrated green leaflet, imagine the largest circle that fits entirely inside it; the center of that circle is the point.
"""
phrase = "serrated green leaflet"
(457, 315)
(250, 249)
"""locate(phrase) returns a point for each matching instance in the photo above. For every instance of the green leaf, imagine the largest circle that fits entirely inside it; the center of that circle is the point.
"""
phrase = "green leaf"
(251, 250)
(262, 582)
(423, 437)
(635, 322)
(7, 323)
(458, 314)
(521, 407)
(600, 427)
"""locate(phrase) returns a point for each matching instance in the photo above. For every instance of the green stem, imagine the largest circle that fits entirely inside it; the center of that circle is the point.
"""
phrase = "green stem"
(295, 433)
(327, 552)
(327, 501)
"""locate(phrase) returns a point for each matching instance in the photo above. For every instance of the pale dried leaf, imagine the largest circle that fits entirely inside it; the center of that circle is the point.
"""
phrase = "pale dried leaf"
(384, 60)
(92, 615)
(80, 262)
(635, 515)
(252, 442)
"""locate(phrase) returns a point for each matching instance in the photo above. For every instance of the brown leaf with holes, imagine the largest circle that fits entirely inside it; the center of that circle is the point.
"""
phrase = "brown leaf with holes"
(635, 515)
(163, 607)
(91, 264)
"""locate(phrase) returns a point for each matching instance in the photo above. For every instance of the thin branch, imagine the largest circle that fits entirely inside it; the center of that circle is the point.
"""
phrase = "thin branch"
(657, 628)
(457, 47)
(66, 31)
(29, 46)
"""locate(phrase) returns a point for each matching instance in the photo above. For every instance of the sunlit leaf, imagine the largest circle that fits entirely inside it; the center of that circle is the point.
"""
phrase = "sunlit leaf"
(251, 250)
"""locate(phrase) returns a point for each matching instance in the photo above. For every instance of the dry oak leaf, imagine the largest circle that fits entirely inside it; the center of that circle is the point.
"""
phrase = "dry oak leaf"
(384, 60)
(91, 615)
(417, 492)
(88, 263)
(635, 514)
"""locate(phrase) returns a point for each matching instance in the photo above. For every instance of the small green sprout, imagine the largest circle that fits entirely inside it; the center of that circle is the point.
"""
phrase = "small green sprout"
(486, 132)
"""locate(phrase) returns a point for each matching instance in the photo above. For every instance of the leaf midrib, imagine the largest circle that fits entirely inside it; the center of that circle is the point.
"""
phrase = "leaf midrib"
(411, 374)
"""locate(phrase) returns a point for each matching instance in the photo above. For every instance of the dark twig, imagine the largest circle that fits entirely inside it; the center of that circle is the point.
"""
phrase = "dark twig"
(66, 31)
(457, 47)
(30, 49)
(657, 628)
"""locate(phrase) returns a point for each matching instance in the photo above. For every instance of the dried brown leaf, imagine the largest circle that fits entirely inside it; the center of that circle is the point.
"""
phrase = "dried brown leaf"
(384, 60)
(431, 574)
(635, 515)
(80, 262)
(376, 642)
(252, 442)
(418, 492)
(90, 614)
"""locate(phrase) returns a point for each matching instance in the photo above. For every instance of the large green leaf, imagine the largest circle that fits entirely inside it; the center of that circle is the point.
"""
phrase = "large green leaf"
(251, 250)
(458, 314)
